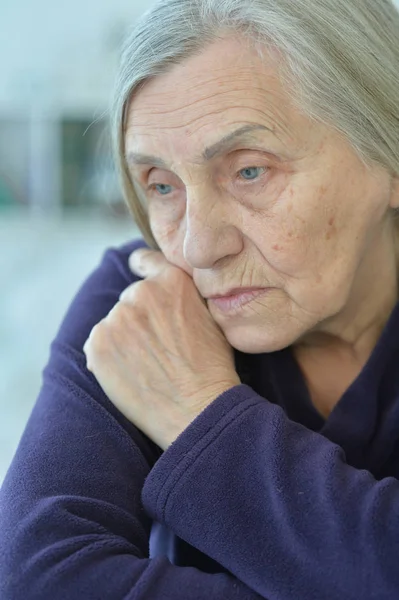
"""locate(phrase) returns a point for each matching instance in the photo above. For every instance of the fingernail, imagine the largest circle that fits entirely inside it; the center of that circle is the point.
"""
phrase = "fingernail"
(136, 260)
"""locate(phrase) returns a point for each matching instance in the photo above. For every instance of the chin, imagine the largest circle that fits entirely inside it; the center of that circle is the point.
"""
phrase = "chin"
(258, 340)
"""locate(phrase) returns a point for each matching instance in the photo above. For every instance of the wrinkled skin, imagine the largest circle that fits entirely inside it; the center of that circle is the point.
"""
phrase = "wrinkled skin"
(288, 206)
(159, 372)
(315, 225)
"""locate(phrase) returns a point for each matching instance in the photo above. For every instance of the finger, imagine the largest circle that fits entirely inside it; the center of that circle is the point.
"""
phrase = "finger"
(147, 263)
(86, 350)
(128, 293)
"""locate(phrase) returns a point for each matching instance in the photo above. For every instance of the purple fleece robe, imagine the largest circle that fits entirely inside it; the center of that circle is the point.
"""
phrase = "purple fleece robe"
(259, 498)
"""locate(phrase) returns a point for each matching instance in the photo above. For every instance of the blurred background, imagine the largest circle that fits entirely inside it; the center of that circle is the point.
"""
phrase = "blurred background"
(60, 205)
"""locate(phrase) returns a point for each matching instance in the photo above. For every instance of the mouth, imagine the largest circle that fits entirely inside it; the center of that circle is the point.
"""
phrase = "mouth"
(235, 300)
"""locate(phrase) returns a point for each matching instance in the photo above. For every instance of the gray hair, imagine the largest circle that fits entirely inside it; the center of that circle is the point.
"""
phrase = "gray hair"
(340, 60)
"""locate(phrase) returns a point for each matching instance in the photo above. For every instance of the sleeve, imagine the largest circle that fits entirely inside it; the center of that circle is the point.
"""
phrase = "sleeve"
(277, 505)
(72, 524)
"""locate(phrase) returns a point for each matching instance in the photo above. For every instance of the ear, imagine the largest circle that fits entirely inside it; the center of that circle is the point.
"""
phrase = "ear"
(394, 200)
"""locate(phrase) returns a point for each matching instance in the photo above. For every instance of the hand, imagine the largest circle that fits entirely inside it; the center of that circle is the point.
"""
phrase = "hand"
(159, 355)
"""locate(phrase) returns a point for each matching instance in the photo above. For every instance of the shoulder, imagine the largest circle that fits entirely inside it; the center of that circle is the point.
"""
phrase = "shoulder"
(66, 379)
(98, 293)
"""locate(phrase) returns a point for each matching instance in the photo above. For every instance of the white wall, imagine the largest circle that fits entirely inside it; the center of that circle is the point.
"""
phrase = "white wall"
(57, 60)
(61, 52)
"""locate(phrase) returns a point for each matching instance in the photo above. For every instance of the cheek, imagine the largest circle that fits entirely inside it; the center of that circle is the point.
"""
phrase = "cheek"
(284, 242)
(170, 238)
(299, 241)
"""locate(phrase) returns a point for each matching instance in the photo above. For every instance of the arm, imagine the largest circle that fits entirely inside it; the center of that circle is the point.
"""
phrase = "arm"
(72, 525)
(277, 504)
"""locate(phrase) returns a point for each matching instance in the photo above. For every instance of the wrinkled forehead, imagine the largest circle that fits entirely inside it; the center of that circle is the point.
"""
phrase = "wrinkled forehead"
(224, 66)
(204, 97)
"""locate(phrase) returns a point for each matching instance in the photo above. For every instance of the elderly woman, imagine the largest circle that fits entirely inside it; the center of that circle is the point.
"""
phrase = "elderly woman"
(219, 417)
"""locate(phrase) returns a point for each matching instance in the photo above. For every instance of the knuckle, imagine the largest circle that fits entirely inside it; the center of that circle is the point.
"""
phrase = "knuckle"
(118, 317)
(97, 339)
(138, 289)
(134, 291)
(143, 293)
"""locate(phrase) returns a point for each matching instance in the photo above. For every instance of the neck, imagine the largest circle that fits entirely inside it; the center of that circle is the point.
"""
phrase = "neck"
(355, 330)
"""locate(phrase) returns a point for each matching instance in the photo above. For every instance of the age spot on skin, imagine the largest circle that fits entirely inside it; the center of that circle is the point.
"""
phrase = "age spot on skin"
(322, 192)
(333, 229)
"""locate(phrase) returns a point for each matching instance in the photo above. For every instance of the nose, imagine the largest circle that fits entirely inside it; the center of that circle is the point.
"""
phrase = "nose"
(210, 233)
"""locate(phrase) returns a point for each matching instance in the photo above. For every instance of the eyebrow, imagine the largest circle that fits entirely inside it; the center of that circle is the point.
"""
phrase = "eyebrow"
(133, 158)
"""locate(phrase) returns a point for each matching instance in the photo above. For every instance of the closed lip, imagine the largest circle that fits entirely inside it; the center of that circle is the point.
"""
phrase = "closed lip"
(236, 292)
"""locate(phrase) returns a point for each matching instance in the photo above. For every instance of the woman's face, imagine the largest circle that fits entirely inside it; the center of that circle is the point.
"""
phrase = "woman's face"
(243, 192)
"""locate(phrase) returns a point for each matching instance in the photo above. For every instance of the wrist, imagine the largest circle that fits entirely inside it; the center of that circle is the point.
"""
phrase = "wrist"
(198, 404)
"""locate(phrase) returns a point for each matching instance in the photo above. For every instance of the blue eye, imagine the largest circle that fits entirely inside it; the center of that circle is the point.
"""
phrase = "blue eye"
(162, 188)
(251, 173)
